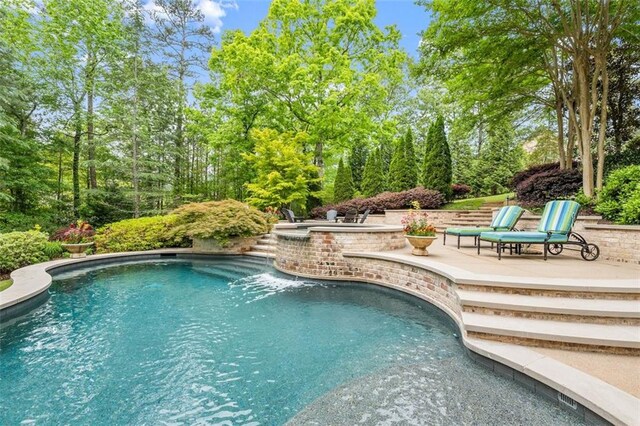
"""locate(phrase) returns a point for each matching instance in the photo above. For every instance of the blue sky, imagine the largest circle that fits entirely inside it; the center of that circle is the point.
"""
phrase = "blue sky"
(408, 17)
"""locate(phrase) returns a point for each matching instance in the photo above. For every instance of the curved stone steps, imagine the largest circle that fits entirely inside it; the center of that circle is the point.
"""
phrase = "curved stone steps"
(535, 331)
(570, 306)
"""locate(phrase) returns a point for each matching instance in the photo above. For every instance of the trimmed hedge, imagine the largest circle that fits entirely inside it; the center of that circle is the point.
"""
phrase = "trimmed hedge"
(539, 184)
(144, 233)
(18, 249)
(427, 198)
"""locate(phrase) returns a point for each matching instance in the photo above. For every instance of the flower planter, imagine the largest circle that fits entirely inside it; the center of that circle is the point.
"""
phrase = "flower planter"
(77, 250)
(420, 244)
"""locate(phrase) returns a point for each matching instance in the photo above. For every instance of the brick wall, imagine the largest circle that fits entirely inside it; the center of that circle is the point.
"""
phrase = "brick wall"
(320, 254)
(620, 243)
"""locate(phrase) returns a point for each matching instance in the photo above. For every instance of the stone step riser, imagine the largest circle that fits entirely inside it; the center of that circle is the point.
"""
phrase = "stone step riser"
(550, 316)
(578, 294)
(540, 343)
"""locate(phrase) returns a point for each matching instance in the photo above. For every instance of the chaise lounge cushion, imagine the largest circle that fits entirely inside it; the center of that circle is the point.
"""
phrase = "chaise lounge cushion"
(505, 220)
(468, 232)
(523, 237)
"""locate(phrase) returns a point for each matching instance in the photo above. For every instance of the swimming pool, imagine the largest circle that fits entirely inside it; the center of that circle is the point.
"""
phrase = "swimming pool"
(230, 341)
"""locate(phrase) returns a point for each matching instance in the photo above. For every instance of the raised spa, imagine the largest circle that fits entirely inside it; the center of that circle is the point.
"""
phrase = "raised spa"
(230, 341)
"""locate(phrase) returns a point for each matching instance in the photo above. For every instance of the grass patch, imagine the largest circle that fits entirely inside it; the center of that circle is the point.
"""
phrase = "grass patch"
(5, 284)
(476, 203)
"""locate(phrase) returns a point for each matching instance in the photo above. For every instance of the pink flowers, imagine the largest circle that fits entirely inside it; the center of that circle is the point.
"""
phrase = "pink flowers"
(76, 233)
(417, 224)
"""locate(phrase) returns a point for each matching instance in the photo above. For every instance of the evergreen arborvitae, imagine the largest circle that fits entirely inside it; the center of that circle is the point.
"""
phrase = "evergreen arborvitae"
(402, 171)
(411, 169)
(343, 186)
(357, 160)
(395, 169)
(373, 177)
(437, 169)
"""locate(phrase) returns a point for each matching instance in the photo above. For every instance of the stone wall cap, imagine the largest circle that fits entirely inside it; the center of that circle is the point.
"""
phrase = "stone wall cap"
(462, 276)
(631, 228)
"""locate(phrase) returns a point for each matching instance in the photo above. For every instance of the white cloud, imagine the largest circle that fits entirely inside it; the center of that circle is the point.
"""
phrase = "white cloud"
(212, 10)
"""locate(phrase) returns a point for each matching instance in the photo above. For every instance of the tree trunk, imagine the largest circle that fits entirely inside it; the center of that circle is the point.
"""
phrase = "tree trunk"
(560, 119)
(91, 148)
(75, 170)
(603, 127)
(134, 131)
(585, 120)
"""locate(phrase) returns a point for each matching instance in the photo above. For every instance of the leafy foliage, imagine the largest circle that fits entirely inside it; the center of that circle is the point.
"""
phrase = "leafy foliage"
(144, 233)
(283, 172)
(460, 190)
(18, 249)
(427, 199)
(373, 177)
(357, 160)
(80, 232)
(219, 220)
(437, 169)
(403, 174)
(343, 187)
(417, 223)
(546, 185)
(620, 197)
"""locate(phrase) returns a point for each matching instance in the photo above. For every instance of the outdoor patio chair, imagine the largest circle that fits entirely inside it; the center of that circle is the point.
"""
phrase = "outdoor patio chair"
(364, 215)
(332, 215)
(554, 232)
(505, 220)
(350, 216)
(291, 216)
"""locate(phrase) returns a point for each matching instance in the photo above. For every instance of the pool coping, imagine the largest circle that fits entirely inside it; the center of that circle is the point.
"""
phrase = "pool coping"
(603, 399)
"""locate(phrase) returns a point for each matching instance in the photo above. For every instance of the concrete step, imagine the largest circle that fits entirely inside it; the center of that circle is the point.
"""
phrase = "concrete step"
(263, 247)
(557, 333)
(260, 254)
(605, 311)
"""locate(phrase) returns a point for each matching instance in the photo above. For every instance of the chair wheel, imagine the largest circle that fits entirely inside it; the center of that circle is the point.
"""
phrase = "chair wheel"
(555, 249)
(590, 252)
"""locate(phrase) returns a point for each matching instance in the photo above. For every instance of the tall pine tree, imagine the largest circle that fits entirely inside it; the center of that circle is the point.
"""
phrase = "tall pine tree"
(357, 160)
(343, 186)
(437, 169)
(402, 171)
(373, 177)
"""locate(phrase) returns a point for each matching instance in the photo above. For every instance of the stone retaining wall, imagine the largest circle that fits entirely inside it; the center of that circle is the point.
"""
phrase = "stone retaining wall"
(620, 243)
(437, 217)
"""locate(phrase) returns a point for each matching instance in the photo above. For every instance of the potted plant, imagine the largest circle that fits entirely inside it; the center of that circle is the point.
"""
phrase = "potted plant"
(76, 238)
(418, 231)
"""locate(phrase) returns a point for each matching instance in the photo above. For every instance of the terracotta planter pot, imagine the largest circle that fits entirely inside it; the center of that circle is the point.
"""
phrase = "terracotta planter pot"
(77, 250)
(420, 244)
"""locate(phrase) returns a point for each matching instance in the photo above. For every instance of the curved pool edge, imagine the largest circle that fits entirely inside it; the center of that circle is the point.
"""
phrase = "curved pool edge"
(601, 398)
(521, 363)
(32, 280)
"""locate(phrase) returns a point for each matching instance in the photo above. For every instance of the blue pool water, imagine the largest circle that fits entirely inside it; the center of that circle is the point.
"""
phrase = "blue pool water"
(209, 342)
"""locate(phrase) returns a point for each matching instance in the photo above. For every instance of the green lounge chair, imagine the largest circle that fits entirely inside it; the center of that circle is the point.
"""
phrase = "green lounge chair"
(554, 232)
(505, 220)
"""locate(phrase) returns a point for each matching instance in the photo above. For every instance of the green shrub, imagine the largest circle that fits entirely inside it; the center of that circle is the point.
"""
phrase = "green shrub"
(144, 233)
(18, 249)
(53, 249)
(620, 197)
(219, 220)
